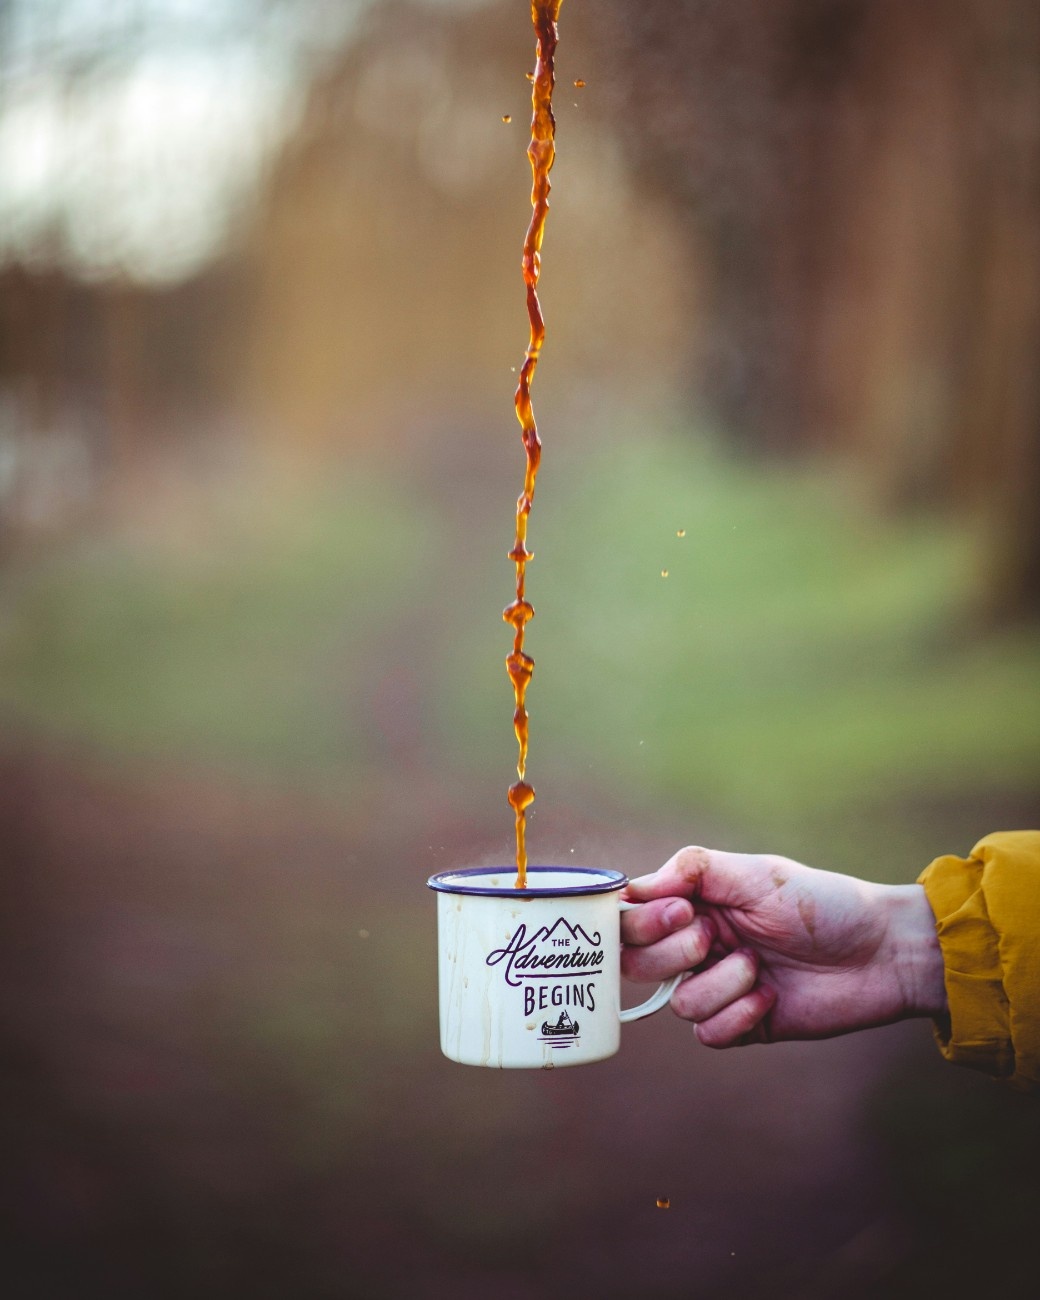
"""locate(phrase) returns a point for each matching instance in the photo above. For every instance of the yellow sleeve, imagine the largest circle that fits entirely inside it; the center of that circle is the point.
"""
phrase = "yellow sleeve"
(987, 911)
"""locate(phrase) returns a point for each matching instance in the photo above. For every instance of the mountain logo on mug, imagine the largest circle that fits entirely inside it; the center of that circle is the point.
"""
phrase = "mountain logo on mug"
(552, 951)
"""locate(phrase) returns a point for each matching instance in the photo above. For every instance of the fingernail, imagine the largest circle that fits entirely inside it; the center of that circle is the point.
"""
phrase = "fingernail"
(676, 914)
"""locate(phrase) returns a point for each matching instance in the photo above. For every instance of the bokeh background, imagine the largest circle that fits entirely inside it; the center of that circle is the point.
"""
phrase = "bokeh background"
(261, 315)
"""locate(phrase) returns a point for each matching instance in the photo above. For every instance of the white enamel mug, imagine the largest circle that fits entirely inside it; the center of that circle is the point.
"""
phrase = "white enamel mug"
(530, 978)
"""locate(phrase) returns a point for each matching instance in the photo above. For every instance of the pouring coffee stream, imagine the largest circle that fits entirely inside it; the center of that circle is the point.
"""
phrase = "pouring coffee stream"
(541, 152)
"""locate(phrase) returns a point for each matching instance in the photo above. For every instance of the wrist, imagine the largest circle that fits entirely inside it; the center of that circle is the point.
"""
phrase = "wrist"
(911, 947)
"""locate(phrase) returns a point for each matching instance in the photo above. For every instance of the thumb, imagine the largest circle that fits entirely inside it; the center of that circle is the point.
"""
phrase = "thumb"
(711, 875)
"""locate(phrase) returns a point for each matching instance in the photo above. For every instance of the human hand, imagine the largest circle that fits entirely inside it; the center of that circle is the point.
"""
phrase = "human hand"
(781, 950)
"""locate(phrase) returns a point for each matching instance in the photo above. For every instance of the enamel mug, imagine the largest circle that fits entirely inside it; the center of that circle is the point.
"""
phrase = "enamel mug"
(530, 978)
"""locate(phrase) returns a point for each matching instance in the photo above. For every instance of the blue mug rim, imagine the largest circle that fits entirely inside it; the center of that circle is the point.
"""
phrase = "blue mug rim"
(454, 882)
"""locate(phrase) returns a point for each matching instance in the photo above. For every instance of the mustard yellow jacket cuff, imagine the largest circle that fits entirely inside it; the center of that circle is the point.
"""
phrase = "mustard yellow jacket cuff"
(987, 912)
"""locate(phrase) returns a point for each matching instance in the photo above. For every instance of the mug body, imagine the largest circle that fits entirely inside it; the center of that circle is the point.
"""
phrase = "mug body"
(529, 978)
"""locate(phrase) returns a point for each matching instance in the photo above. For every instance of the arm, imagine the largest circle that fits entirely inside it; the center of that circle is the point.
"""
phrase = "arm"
(783, 951)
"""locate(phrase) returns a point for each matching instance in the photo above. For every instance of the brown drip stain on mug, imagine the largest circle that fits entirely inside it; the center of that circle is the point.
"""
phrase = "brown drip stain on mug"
(541, 152)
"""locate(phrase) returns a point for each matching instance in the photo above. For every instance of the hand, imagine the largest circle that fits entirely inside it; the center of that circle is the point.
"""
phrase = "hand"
(781, 950)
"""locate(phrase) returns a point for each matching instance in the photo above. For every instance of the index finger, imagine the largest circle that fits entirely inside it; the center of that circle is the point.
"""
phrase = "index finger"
(645, 925)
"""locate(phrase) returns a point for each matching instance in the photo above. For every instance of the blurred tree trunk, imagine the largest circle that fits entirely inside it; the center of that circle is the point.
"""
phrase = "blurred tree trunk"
(995, 441)
(863, 178)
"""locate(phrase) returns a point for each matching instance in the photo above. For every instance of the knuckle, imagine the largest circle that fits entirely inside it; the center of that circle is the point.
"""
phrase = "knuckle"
(780, 869)
(691, 864)
(682, 1003)
(733, 1027)
(647, 925)
(695, 942)
(633, 925)
(774, 861)
(710, 1037)
(629, 931)
(676, 913)
(634, 964)
(744, 1020)
(749, 964)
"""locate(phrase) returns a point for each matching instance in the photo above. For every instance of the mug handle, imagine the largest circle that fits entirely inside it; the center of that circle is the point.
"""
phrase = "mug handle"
(661, 994)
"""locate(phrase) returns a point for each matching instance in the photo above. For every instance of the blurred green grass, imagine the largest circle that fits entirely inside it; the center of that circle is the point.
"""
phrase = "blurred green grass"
(244, 643)
(807, 673)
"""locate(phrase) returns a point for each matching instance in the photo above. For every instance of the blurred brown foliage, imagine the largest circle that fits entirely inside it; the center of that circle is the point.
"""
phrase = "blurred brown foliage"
(386, 256)
(861, 179)
(821, 218)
